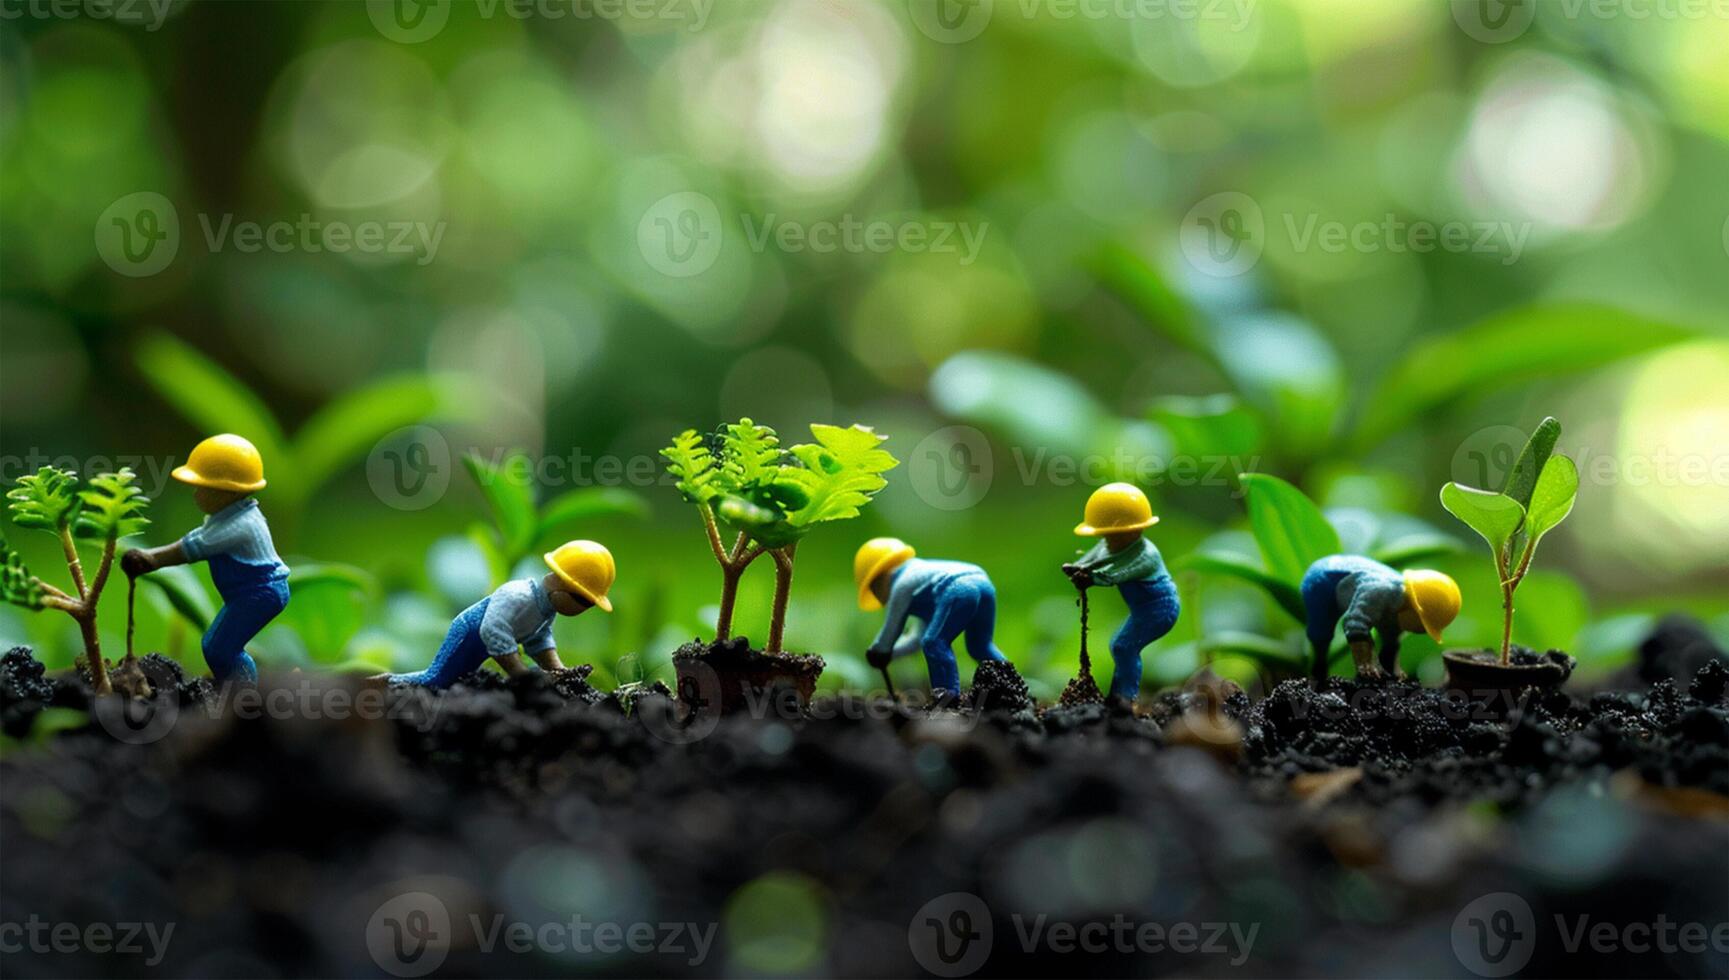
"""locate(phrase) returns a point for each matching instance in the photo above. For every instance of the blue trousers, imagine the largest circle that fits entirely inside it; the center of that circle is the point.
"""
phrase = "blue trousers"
(244, 612)
(461, 653)
(1153, 610)
(966, 605)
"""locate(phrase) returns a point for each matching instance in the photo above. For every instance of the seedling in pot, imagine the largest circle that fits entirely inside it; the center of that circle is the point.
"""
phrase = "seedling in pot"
(946, 597)
(111, 507)
(1536, 496)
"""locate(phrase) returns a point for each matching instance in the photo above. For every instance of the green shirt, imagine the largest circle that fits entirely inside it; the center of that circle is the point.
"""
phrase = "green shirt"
(1140, 560)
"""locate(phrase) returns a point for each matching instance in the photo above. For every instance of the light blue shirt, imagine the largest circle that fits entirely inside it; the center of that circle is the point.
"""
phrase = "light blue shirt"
(1139, 561)
(914, 590)
(237, 531)
(518, 613)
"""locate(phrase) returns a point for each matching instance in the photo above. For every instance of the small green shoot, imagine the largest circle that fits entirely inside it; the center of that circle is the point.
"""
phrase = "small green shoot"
(521, 527)
(1537, 495)
(109, 508)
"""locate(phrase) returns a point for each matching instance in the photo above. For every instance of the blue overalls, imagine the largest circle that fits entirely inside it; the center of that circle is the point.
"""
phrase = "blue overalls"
(1362, 592)
(250, 577)
(518, 613)
(950, 598)
(1139, 574)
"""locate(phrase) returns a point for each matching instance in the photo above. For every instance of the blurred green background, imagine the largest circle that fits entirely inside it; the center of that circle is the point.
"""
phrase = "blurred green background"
(1363, 245)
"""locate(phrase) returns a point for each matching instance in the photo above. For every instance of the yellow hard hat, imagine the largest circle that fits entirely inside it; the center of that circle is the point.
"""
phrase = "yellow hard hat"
(878, 556)
(587, 568)
(224, 462)
(1435, 597)
(1115, 508)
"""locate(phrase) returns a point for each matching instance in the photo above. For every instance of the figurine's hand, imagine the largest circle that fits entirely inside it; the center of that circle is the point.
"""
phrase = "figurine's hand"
(1082, 577)
(135, 563)
(879, 658)
(1363, 655)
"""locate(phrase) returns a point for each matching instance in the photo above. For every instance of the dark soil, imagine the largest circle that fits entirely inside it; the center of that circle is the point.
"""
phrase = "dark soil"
(1360, 831)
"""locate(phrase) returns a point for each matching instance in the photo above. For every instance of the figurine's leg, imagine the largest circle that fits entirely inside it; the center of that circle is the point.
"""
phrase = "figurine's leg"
(954, 610)
(1390, 656)
(981, 631)
(1153, 610)
(243, 615)
(1321, 609)
(462, 652)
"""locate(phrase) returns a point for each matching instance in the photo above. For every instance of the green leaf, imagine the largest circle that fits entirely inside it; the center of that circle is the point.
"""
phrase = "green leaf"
(1126, 272)
(841, 472)
(588, 503)
(17, 585)
(692, 464)
(180, 587)
(1280, 657)
(345, 430)
(46, 500)
(751, 455)
(1552, 498)
(326, 612)
(1223, 563)
(1414, 550)
(1215, 426)
(305, 574)
(1507, 350)
(509, 490)
(212, 399)
(1494, 516)
(113, 506)
(1291, 531)
(1522, 478)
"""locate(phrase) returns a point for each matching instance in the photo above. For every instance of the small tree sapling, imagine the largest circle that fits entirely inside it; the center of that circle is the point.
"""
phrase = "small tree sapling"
(111, 507)
(1537, 495)
(773, 496)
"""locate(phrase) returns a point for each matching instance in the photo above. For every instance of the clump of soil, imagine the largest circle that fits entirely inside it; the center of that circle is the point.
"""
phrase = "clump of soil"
(738, 656)
(1082, 689)
(997, 686)
(24, 691)
(742, 672)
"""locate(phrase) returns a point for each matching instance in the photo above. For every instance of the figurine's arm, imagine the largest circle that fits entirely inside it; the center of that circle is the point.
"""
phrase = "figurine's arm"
(495, 629)
(913, 640)
(1095, 555)
(543, 648)
(141, 561)
(894, 617)
(1145, 563)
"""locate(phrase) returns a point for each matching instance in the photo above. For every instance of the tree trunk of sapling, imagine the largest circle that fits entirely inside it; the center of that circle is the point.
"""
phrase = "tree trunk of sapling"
(783, 558)
(729, 577)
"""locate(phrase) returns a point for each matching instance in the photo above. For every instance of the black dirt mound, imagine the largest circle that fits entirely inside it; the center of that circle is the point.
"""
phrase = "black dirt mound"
(24, 691)
(738, 656)
(997, 686)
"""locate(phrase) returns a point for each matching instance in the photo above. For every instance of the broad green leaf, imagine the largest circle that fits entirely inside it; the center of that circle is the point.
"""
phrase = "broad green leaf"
(587, 503)
(842, 471)
(1492, 515)
(305, 574)
(113, 506)
(1552, 498)
(509, 490)
(46, 500)
(180, 587)
(1414, 550)
(1291, 531)
(1522, 478)
(326, 613)
(212, 399)
(1215, 426)
(1126, 272)
(345, 430)
(1507, 350)
(692, 464)
(1222, 563)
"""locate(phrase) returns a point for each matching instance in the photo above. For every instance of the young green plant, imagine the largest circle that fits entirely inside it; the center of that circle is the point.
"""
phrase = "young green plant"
(772, 497)
(1537, 495)
(111, 507)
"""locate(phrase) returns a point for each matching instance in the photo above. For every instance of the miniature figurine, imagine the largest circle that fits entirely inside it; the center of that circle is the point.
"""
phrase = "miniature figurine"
(520, 614)
(225, 471)
(1127, 559)
(1368, 595)
(948, 597)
